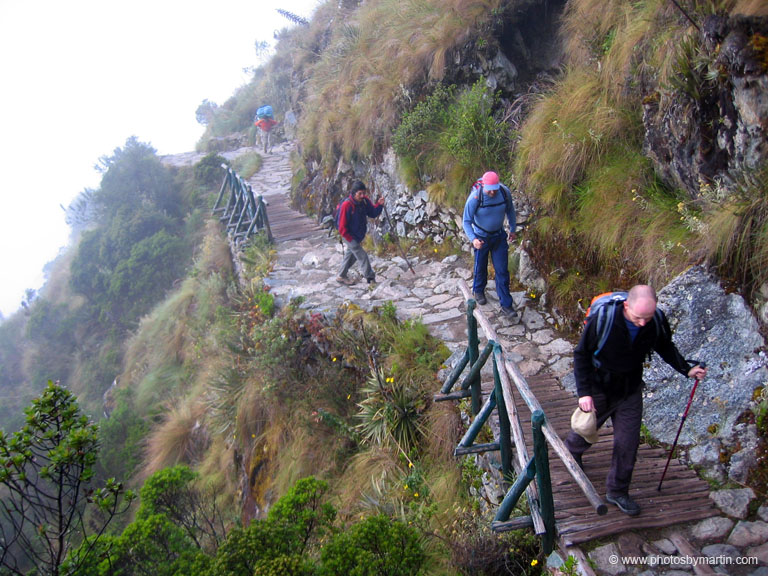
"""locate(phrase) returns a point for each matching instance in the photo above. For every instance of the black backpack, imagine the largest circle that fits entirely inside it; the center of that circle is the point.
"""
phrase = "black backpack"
(504, 197)
(332, 221)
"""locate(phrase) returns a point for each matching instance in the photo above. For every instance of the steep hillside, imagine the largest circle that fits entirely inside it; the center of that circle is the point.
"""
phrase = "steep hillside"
(633, 136)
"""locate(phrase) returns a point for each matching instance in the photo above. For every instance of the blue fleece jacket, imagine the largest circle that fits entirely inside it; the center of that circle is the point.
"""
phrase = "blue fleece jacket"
(483, 219)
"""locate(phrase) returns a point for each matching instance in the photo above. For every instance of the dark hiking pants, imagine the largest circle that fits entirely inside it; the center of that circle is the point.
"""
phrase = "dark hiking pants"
(626, 415)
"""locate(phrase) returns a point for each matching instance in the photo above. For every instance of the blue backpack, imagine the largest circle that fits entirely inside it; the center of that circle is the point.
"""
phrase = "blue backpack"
(604, 307)
(265, 112)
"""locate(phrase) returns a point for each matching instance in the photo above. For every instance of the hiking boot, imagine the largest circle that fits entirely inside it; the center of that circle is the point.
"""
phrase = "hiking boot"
(509, 312)
(344, 280)
(577, 457)
(479, 297)
(625, 504)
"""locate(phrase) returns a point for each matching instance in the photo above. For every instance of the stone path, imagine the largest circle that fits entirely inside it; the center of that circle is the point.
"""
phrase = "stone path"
(306, 267)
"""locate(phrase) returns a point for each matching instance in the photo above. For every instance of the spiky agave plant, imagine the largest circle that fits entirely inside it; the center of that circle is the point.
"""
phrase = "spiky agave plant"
(392, 412)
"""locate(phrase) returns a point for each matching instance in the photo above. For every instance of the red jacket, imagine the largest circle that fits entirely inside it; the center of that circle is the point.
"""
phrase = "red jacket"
(266, 124)
(353, 218)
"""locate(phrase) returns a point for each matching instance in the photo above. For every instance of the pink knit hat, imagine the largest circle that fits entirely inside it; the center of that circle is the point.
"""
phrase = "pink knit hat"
(490, 181)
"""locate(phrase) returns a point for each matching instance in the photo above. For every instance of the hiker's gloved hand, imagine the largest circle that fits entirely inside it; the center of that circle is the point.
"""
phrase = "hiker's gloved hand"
(586, 403)
(697, 372)
(477, 243)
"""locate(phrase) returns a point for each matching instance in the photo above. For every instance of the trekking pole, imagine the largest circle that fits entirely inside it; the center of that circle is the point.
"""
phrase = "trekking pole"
(397, 240)
(677, 436)
(686, 15)
(394, 233)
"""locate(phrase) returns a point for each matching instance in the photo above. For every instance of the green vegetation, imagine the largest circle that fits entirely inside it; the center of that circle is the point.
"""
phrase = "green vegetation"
(455, 136)
(247, 165)
(46, 471)
(299, 536)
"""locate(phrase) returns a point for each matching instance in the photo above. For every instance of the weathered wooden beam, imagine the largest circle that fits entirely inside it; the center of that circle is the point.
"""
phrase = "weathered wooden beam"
(517, 430)
(514, 524)
(475, 448)
(557, 444)
(458, 395)
(453, 377)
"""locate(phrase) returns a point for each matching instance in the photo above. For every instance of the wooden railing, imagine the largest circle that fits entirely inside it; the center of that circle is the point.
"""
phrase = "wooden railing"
(244, 215)
(521, 470)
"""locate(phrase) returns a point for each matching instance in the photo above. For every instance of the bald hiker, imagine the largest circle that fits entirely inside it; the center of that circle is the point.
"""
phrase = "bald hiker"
(608, 366)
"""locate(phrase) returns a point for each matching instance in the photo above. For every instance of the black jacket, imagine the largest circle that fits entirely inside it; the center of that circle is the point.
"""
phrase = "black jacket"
(621, 361)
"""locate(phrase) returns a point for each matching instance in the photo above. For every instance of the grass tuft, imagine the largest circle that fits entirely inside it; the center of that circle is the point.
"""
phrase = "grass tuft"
(180, 438)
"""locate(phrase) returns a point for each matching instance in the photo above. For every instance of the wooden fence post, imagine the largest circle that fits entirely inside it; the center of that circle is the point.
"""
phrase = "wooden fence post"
(543, 481)
(505, 434)
(474, 353)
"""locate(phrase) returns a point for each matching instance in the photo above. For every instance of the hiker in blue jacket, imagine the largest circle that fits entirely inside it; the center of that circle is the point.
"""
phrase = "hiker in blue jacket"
(488, 204)
(353, 225)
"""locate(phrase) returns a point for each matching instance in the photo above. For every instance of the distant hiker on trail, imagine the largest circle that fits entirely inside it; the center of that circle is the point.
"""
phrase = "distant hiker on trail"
(265, 121)
(609, 380)
(353, 225)
(488, 204)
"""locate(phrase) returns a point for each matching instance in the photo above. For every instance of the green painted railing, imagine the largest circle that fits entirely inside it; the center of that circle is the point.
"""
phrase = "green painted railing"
(243, 213)
(520, 470)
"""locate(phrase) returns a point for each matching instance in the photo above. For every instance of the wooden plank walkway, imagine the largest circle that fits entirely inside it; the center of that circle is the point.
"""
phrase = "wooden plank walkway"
(683, 497)
(286, 223)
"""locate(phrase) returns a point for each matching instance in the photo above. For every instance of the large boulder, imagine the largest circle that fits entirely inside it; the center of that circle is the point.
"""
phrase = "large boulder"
(715, 327)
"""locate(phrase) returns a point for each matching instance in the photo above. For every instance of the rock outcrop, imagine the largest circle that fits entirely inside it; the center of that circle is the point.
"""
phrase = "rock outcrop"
(710, 131)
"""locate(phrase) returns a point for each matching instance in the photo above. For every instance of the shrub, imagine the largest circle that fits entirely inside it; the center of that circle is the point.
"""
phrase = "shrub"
(452, 134)
(377, 545)
(302, 510)
(473, 135)
(208, 171)
(391, 412)
(46, 471)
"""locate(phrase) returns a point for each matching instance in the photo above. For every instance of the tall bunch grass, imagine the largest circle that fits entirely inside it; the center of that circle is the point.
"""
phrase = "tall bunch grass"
(750, 8)
(359, 84)
(179, 439)
(606, 220)
(737, 239)
(568, 131)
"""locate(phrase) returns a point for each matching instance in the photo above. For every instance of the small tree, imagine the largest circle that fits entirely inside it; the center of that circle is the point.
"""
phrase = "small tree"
(376, 546)
(45, 471)
(173, 493)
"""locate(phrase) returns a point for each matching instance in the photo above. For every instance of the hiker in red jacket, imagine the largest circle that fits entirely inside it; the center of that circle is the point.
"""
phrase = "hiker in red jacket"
(265, 126)
(353, 225)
